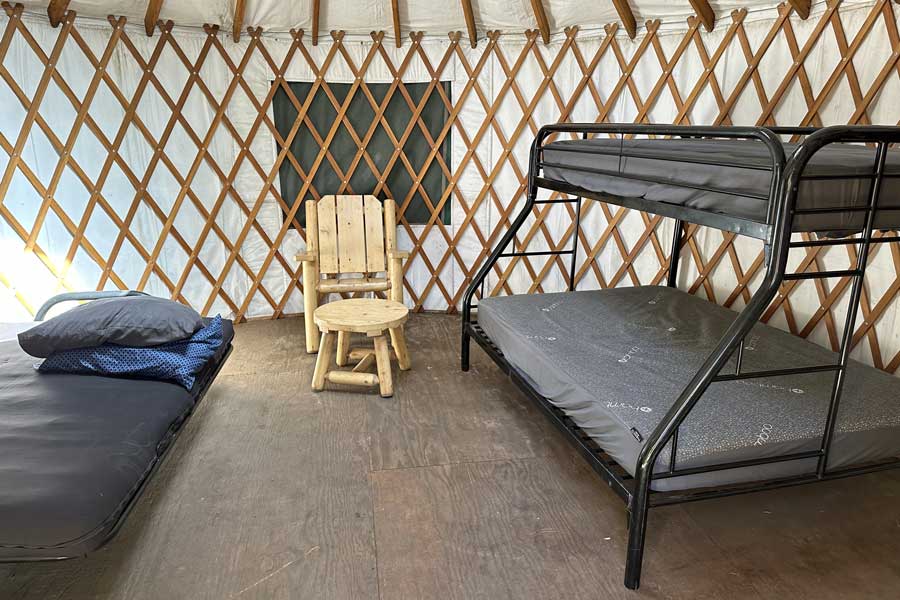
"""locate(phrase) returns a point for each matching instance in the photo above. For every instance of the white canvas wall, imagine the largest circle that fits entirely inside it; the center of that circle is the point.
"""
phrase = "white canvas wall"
(24, 276)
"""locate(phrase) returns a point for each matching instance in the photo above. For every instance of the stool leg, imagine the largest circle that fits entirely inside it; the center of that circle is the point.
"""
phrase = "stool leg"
(383, 359)
(398, 341)
(323, 360)
(343, 347)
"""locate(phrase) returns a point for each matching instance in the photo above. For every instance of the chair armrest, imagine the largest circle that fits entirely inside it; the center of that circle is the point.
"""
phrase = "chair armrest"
(306, 257)
(398, 254)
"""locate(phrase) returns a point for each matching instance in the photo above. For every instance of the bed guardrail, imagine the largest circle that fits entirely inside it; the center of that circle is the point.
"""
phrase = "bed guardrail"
(787, 176)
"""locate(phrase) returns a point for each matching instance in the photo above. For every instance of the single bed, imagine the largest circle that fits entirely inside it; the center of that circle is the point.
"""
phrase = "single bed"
(725, 177)
(76, 451)
(617, 386)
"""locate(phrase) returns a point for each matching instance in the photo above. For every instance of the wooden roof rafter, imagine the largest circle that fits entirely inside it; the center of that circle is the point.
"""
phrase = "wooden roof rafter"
(626, 15)
(801, 7)
(315, 22)
(238, 23)
(469, 14)
(56, 11)
(540, 16)
(152, 16)
(705, 13)
(395, 10)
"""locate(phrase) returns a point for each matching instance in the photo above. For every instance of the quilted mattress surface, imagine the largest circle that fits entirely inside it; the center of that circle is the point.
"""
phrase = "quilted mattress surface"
(741, 170)
(75, 449)
(616, 360)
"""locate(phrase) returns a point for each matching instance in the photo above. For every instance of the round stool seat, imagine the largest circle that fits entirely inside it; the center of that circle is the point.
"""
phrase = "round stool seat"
(373, 317)
(361, 315)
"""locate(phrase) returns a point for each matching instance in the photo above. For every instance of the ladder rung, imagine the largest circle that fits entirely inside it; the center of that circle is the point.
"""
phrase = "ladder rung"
(842, 209)
(823, 274)
(829, 210)
(843, 241)
(541, 253)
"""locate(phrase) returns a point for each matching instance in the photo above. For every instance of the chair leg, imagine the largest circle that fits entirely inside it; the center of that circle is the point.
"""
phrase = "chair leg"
(323, 361)
(383, 361)
(343, 347)
(398, 341)
(310, 302)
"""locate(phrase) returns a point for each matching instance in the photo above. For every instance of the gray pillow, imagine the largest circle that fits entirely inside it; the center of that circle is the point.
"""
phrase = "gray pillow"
(129, 321)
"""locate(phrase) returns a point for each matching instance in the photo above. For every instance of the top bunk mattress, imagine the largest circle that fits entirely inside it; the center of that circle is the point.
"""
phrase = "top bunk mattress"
(75, 450)
(741, 176)
(616, 360)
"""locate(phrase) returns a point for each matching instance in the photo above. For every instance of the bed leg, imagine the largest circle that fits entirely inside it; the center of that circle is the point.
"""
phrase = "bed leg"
(637, 530)
(464, 351)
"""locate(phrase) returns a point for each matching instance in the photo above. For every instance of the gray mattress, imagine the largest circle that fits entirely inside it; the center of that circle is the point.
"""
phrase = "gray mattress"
(686, 162)
(75, 450)
(615, 361)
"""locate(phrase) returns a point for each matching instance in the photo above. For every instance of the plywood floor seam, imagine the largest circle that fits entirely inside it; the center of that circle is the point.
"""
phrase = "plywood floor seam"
(454, 464)
(455, 488)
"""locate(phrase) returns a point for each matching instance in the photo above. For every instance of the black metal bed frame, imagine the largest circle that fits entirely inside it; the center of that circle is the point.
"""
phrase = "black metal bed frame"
(786, 176)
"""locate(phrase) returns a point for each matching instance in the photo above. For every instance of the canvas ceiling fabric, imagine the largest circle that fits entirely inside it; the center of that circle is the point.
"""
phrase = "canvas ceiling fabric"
(24, 276)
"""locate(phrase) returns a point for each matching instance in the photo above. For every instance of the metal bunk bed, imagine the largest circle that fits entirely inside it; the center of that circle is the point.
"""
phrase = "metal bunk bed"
(786, 173)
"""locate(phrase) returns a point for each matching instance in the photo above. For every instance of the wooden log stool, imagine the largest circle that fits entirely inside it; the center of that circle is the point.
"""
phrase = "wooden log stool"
(373, 317)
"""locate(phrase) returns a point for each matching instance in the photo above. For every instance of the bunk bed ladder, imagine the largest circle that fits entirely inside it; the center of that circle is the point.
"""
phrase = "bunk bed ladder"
(839, 368)
(862, 257)
(478, 282)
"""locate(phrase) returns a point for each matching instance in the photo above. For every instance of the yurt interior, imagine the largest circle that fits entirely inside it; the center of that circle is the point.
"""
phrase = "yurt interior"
(470, 299)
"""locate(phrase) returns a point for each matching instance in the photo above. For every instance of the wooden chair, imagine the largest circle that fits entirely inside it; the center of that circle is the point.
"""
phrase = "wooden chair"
(349, 235)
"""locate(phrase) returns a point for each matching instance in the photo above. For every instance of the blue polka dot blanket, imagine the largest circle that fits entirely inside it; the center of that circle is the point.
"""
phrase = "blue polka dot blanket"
(178, 362)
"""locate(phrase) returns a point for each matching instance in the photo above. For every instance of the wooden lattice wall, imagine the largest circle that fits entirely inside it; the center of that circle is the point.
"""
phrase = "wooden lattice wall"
(508, 82)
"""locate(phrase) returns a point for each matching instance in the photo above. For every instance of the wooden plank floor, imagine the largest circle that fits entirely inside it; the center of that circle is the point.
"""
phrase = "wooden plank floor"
(455, 488)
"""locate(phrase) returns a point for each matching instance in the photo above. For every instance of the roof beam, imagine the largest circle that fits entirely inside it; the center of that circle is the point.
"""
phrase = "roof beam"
(626, 15)
(704, 13)
(541, 16)
(56, 11)
(238, 24)
(470, 22)
(152, 16)
(801, 7)
(395, 9)
(315, 22)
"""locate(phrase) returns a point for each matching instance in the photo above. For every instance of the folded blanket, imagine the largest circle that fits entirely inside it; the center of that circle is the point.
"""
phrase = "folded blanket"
(178, 362)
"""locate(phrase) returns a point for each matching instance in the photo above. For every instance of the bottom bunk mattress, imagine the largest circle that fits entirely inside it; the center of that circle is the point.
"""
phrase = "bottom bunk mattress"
(616, 360)
(76, 450)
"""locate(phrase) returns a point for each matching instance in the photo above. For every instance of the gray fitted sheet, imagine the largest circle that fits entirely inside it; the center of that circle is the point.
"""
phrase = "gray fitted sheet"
(75, 449)
(615, 361)
(687, 162)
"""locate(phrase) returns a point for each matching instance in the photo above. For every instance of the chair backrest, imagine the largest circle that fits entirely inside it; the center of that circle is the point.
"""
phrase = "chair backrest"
(353, 233)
